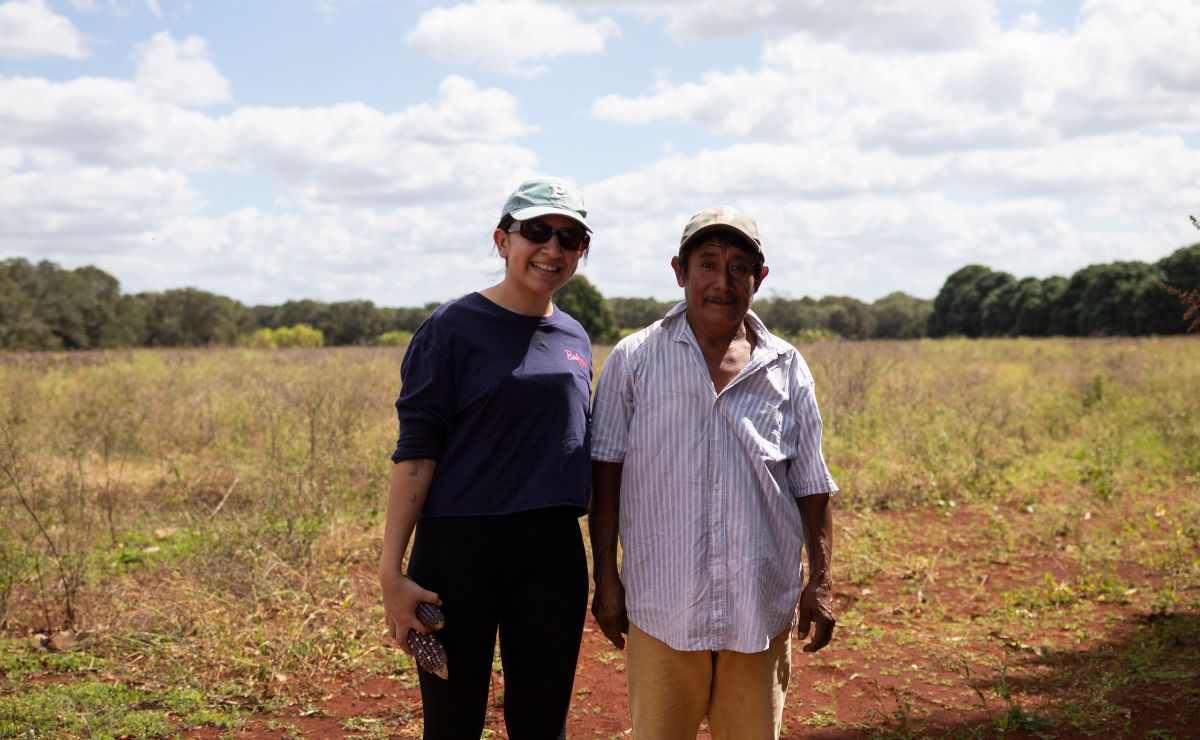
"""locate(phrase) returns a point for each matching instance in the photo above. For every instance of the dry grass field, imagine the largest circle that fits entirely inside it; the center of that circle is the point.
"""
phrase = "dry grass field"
(190, 537)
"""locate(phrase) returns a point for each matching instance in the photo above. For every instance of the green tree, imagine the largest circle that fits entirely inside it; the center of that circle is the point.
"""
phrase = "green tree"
(20, 326)
(1033, 302)
(60, 309)
(847, 317)
(351, 322)
(958, 307)
(637, 313)
(405, 319)
(900, 316)
(300, 335)
(581, 300)
(132, 318)
(998, 311)
(99, 296)
(1110, 296)
(792, 316)
(944, 321)
(193, 317)
(290, 313)
(1160, 311)
(395, 338)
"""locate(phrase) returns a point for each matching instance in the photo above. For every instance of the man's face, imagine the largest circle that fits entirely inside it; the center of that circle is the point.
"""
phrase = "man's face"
(718, 284)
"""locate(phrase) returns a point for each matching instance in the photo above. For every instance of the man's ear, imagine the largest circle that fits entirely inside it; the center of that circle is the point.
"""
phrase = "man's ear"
(678, 268)
(761, 278)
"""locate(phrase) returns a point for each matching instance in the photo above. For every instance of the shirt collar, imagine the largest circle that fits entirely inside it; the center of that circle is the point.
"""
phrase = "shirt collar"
(766, 345)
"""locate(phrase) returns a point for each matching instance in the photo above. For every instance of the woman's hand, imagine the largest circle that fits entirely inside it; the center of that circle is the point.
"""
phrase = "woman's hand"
(401, 595)
(410, 485)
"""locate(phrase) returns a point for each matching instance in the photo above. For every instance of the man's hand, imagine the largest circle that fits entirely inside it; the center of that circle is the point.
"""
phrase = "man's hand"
(816, 605)
(401, 595)
(608, 607)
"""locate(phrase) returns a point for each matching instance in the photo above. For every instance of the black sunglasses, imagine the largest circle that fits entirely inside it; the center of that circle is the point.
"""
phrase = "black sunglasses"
(573, 238)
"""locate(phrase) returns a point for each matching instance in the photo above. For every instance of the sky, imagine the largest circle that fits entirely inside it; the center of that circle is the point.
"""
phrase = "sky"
(362, 149)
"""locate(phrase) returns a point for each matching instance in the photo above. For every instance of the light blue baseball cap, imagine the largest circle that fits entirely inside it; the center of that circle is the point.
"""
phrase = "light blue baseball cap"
(542, 196)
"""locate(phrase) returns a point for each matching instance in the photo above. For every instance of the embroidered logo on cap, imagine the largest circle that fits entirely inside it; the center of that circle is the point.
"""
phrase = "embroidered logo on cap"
(557, 191)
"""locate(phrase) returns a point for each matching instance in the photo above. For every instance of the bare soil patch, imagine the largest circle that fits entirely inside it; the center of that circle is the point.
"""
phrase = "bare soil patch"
(949, 639)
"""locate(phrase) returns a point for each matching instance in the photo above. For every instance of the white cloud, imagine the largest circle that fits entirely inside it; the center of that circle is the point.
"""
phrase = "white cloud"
(98, 171)
(880, 24)
(104, 122)
(1102, 166)
(465, 112)
(876, 155)
(30, 29)
(1029, 21)
(838, 220)
(508, 36)
(456, 145)
(331, 252)
(437, 150)
(814, 171)
(864, 245)
(10, 158)
(353, 154)
(397, 257)
(121, 8)
(1119, 71)
(83, 211)
(179, 71)
(869, 24)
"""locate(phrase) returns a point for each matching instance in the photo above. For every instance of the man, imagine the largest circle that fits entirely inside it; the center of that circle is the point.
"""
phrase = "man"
(706, 449)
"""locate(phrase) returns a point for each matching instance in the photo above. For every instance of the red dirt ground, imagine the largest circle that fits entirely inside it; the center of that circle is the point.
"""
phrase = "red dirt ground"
(864, 694)
(918, 652)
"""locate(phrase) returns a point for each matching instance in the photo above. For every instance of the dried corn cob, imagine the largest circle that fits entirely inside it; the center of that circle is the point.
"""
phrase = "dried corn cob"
(431, 616)
(428, 651)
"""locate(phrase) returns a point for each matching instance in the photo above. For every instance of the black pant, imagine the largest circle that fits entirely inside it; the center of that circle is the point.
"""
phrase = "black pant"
(526, 575)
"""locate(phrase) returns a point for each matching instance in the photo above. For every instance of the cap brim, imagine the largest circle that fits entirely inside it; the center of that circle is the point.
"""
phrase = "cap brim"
(726, 228)
(524, 214)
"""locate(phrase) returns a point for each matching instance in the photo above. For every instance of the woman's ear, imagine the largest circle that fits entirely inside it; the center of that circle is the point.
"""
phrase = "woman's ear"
(500, 238)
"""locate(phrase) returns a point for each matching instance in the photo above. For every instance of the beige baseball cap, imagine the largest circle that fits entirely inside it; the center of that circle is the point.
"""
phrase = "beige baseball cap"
(721, 218)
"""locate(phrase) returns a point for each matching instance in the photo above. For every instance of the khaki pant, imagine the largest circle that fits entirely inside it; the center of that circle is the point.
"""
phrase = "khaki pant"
(671, 691)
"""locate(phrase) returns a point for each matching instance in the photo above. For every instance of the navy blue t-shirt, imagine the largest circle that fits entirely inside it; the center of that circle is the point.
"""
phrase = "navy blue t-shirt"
(501, 401)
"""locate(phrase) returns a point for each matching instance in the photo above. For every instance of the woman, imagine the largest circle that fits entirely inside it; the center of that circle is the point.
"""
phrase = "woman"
(493, 461)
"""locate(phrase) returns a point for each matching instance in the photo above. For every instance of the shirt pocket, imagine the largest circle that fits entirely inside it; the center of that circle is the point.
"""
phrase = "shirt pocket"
(760, 415)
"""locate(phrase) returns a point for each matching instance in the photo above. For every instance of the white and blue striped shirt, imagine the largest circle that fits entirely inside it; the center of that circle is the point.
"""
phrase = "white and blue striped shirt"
(709, 528)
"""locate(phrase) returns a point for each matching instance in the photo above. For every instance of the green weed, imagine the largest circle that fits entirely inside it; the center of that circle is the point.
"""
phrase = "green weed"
(104, 710)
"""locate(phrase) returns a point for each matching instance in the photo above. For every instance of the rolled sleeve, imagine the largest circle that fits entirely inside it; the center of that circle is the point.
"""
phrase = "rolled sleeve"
(807, 472)
(425, 406)
(612, 408)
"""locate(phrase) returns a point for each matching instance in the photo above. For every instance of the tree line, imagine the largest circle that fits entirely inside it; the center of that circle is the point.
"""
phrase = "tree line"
(45, 307)
(1125, 298)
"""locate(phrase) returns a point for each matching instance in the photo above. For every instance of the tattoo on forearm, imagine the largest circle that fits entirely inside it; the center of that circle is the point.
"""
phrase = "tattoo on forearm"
(413, 471)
